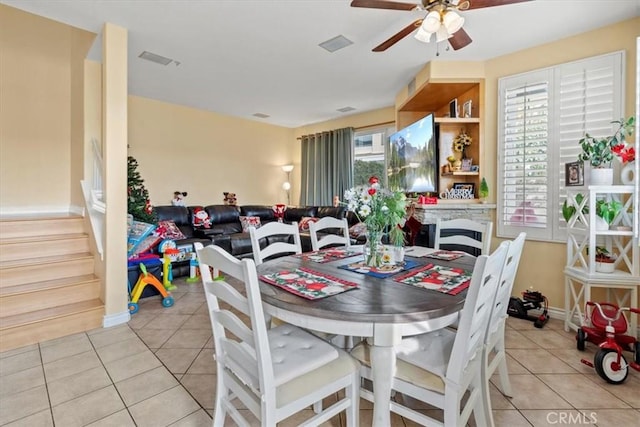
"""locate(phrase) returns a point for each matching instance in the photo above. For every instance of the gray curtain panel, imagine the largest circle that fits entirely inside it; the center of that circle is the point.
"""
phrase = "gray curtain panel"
(327, 160)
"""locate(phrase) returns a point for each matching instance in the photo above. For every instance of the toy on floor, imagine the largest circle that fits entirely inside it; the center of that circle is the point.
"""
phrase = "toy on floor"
(605, 325)
(144, 280)
(194, 269)
(168, 249)
(531, 300)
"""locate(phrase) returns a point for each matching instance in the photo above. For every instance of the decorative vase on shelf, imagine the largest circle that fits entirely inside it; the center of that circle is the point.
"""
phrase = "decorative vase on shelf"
(605, 267)
(601, 176)
(628, 173)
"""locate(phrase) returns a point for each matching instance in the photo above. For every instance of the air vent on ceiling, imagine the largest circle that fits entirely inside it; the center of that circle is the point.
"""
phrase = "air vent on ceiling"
(345, 109)
(336, 43)
(261, 115)
(158, 59)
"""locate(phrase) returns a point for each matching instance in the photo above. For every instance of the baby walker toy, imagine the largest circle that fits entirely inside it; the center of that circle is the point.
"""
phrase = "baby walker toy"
(144, 280)
(605, 325)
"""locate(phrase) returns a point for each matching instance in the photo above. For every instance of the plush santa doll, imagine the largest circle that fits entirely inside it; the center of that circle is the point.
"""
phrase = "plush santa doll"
(201, 218)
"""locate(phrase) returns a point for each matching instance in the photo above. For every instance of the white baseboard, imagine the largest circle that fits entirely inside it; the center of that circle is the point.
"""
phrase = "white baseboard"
(116, 319)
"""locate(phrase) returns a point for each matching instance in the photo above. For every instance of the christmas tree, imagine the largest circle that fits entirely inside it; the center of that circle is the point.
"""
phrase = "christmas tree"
(138, 203)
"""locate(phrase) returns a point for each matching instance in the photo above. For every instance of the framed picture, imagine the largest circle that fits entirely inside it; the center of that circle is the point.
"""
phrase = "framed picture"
(466, 109)
(475, 168)
(453, 108)
(466, 165)
(465, 186)
(573, 174)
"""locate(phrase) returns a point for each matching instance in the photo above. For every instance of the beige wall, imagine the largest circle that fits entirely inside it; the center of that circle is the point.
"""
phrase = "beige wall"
(205, 154)
(39, 140)
(542, 263)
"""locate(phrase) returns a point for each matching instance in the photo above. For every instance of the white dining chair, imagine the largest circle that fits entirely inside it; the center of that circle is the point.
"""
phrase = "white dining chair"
(270, 246)
(455, 232)
(440, 367)
(329, 238)
(275, 372)
(494, 355)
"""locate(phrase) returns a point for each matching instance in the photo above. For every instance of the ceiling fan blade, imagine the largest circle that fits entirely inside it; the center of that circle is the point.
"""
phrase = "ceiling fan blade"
(460, 39)
(397, 36)
(383, 4)
(477, 4)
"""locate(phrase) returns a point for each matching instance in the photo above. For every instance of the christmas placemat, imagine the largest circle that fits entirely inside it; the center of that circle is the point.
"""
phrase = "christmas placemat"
(380, 272)
(447, 280)
(307, 283)
(445, 255)
(328, 255)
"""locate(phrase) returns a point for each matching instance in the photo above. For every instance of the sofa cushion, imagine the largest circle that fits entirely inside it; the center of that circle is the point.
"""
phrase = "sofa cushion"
(336, 212)
(222, 214)
(249, 221)
(265, 213)
(296, 214)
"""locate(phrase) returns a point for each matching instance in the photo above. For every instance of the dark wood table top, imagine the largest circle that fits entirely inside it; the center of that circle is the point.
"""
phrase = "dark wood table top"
(376, 300)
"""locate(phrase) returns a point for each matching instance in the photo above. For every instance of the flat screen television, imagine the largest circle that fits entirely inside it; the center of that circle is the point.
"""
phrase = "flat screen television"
(412, 158)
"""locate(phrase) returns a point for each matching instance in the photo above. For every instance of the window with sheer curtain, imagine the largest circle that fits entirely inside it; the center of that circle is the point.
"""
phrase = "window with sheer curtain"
(542, 115)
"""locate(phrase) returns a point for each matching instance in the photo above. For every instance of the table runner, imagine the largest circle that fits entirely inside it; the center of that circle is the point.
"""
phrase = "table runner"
(307, 283)
(328, 255)
(447, 280)
(380, 272)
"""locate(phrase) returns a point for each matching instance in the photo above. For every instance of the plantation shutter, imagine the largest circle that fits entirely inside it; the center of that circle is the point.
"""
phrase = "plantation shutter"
(589, 101)
(524, 170)
(542, 116)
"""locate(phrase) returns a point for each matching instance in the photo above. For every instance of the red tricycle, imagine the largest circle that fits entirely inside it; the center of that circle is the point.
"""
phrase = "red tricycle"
(605, 325)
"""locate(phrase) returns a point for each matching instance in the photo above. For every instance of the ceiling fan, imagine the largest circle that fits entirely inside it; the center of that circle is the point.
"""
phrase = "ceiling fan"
(442, 19)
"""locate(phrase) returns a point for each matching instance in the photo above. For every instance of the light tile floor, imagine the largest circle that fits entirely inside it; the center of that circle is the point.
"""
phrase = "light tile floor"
(158, 371)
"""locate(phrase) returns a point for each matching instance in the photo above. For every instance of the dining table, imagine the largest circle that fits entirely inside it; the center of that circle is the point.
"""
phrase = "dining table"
(381, 309)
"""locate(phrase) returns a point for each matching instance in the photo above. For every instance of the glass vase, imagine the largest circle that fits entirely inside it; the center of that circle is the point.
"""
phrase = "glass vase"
(373, 248)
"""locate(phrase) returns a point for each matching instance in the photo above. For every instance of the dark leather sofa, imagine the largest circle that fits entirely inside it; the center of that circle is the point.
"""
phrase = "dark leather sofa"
(226, 228)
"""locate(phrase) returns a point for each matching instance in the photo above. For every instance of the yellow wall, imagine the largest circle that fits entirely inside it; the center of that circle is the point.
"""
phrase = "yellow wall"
(542, 263)
(205, 154)
(40, 83)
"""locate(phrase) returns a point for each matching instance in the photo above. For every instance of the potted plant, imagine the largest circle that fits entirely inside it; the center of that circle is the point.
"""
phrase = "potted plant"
(568, 211)
(606, 211)
(484, 190)
(599, 151)
(605, 262)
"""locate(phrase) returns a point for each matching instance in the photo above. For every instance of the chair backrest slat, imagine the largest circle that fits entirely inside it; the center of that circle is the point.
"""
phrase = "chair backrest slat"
(274, 229)
(506, 282)
(476, 312)
(464, 225)
(329, 222)
(241, 347)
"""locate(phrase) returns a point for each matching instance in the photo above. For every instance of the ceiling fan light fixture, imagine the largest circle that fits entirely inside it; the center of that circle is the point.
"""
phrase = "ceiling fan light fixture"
(431, 23)
(442, 34)
(452, 21)
(422, 35)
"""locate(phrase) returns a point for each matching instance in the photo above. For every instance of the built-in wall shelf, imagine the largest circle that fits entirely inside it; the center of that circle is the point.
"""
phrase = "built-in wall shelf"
(460, 173)
(461, 120)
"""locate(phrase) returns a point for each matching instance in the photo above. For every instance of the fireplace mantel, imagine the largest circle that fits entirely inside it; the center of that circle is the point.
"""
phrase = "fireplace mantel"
(427, 214)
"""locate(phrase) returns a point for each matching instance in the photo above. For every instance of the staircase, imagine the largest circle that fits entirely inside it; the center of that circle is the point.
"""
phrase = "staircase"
(47, 284)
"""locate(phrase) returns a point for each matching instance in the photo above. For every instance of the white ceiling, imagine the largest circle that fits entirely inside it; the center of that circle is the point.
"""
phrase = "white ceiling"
(240, 57)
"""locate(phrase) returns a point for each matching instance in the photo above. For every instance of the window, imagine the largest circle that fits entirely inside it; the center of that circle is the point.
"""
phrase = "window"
(542, 116)
(369, 154)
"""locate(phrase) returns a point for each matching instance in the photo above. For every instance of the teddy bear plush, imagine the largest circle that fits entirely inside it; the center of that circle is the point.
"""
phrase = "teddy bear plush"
(230, 199)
